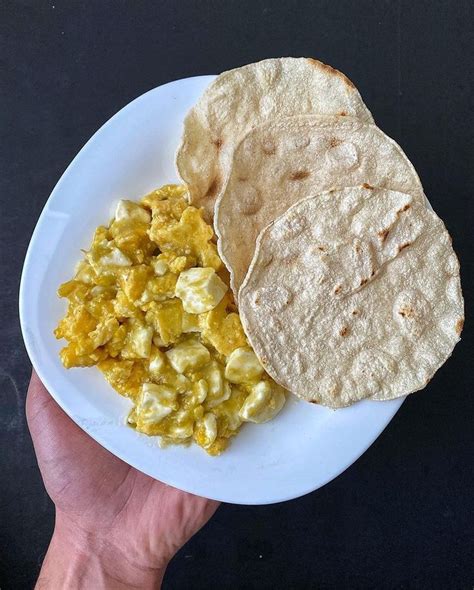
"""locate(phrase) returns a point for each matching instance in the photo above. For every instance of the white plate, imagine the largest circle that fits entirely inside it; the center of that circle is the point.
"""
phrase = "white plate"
(305, 447)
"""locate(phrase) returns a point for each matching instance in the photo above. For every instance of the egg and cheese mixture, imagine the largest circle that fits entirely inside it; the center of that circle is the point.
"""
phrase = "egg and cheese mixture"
(150, 306)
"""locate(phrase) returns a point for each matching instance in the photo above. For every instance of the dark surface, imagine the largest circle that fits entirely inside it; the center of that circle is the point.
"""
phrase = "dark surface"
(402, 516)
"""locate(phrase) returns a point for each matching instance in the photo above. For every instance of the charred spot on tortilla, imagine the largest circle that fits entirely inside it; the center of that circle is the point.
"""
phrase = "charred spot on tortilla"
(406, 312)
(299, 175)
(404, 208)
(382, 234)
(334, 142)
(403, 246)
(213, 188)
(330, 70)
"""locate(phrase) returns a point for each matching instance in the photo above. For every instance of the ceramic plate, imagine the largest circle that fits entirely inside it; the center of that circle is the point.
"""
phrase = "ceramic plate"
(305, 447)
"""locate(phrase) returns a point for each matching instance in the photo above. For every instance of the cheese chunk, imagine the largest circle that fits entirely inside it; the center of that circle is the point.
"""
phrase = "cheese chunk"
(115, 258)
(160, 267)
(139, 340)
(263, 403)
(155, 403)
(200, 289)
(243, 366)
(130, 210)
(206, 430)
(188, 356)
(218, 389)
(157, 363)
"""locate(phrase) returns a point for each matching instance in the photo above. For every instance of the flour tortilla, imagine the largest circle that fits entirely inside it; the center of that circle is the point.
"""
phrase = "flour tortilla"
(353, 295)
(241, 98)
(282, 161)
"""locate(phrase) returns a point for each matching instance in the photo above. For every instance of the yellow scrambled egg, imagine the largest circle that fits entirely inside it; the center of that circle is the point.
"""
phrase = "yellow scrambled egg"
(151, 308)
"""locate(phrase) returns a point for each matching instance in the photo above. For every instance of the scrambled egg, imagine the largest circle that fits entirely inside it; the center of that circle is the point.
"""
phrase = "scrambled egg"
(151, 308)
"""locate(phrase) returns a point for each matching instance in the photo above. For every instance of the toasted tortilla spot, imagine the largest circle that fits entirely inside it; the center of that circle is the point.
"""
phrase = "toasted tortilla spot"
(213, 188)
(330, 70)
(406, 312)
(459, 326)
(383, 234)
(334, 142)
(403, 209)
(299, 175)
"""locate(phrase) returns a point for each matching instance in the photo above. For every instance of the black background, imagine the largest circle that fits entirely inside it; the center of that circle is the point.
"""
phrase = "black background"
(402, 516)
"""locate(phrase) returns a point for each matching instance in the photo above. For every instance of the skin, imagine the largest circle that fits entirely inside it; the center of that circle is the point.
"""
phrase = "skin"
(115, 527)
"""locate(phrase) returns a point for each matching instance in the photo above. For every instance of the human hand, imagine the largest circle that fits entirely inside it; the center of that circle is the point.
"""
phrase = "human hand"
(115, 527)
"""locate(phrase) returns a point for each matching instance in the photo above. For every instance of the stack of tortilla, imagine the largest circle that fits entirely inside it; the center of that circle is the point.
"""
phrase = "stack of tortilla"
(346, 280)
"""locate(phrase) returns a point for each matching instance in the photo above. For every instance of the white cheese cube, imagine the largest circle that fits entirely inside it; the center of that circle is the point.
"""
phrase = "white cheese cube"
(218, 389)
(130, 210)
(160, 267)
(104, 332)
(200, 390)
(84, 272)
(155, 403)
(188, 356)
(263, 403)
(182, 426)
(140, 340)
(115, 258)
(200, 289)
(233, 419)
(157, 363)
(207, 430)
(243, 366)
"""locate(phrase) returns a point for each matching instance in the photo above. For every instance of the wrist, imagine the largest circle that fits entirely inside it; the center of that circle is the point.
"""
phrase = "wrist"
(80, 559)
